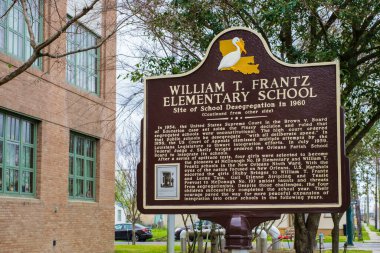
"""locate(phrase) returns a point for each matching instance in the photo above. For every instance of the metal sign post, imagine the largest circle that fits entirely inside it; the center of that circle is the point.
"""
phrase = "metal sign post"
(170, 227)
(238, 226)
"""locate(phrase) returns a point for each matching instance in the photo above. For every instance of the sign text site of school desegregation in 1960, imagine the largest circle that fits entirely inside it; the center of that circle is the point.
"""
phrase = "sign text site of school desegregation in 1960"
(242, 131)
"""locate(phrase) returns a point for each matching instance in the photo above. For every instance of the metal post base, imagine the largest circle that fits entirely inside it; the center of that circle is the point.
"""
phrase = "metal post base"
(238, 227)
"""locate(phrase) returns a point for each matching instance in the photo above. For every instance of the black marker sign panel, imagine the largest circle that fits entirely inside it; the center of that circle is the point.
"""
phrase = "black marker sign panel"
(243, 131)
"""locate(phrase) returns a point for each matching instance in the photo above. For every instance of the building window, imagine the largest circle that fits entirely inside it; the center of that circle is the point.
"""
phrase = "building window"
(14, 36)
(18, 149)
(118, 215)
(82, 167)
(82, 68)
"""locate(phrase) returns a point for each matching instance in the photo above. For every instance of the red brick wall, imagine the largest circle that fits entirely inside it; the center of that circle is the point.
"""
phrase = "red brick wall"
(31, 224)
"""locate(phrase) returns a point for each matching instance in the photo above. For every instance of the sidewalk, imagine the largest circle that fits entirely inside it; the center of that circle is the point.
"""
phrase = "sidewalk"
(374, 238)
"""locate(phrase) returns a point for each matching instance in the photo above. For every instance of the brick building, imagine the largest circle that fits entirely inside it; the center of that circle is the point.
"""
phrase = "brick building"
(57, 143)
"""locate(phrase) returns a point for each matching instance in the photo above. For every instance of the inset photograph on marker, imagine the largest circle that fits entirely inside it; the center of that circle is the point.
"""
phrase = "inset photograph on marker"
(167, 181)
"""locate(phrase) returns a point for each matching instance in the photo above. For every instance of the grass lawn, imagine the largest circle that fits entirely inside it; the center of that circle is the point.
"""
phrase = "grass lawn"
(162, 249)
(372, 228)
(328, 238)
(143, 249)
(159, 235)
(365, 235)
(352, 251)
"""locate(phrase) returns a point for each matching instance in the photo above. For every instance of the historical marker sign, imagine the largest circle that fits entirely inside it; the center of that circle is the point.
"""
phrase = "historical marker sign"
(243, 131)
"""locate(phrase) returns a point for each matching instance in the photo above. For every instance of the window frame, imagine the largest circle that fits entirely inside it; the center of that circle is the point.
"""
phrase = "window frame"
(8, 30)
(74, 176)
(75, 65)
(21, 168)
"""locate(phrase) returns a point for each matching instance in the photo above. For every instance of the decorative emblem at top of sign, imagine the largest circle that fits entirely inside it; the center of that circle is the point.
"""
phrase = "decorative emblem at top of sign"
(232, 60)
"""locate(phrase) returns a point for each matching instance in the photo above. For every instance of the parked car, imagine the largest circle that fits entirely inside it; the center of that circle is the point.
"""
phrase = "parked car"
(124, 232)
(206, 227)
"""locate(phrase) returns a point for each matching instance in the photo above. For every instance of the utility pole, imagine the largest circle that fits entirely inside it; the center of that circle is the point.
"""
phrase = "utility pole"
(349, 228)
(376, 194)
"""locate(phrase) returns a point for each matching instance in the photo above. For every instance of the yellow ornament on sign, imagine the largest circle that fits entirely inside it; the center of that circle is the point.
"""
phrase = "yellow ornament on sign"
(232, 60)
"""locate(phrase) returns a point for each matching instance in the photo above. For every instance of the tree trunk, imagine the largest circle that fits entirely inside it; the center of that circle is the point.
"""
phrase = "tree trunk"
(335, 232)
(305, 232)
(376, 200)
(359, 219)
(376, 193)
(133, 234)
(367, 213)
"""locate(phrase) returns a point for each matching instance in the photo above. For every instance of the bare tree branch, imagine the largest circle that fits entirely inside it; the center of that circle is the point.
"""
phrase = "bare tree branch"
(352, 132)
(37, 50)
(332, 19)
(71, 21)
(252, 20)
(28, 24)
(9, 9)
(99, 44)
(363, 132)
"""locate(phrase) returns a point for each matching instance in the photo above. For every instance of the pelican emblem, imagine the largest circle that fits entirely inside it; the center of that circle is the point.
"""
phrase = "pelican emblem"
(232, 60)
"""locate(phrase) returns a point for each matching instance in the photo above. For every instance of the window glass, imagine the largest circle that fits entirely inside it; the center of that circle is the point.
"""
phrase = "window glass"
(80, 188)
(71, 187)
(14, 36)
(27, 129)
(71, 149)
(90, 168)
(90, 148)
(80, 146)
(12, 154)
(82, 167)
(28, 157)
(12, 180)
(118, 227)
(71, 165)
(118, 215)
(1, 152)
(81, 68)
(1, 125)
(27, 182)
(13, 128)
(3, 8)
(17, 154)
(1, 178)
(2, 38)
(89, 189)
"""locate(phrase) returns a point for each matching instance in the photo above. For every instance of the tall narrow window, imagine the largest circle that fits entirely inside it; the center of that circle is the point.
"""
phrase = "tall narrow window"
(14, 36)
(118, 215)
(82, 167)
(82, 68)
(18, 149)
